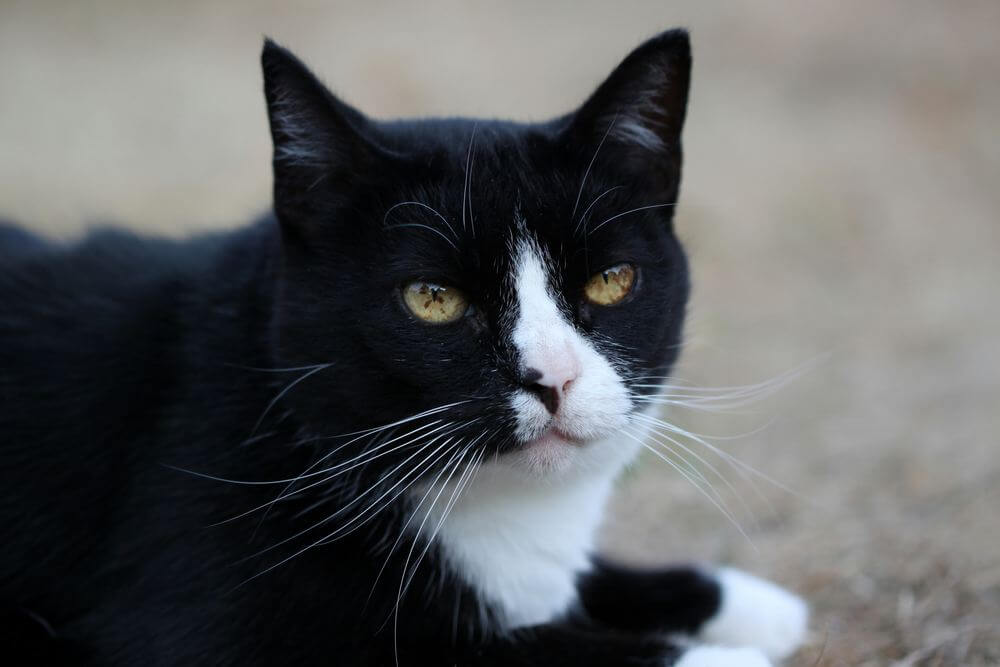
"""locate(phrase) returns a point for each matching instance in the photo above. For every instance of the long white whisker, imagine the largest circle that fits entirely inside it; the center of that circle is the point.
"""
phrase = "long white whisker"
(590, 165)
(463, 481)
(291, 385)
(468, 174)
(344, 526)
(576, 227)
(410, 554)
(689, 467)
(293, 369)
(725, 512)
(656, 435)
(634, 210)
(413, 515)
(428, 228)
(273, 482)
(326, 480)
(417, 203)
(405, 420)
(727, 456)
(355, 499)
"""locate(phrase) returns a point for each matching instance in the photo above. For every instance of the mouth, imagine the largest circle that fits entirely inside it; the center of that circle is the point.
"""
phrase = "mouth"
(553, 436)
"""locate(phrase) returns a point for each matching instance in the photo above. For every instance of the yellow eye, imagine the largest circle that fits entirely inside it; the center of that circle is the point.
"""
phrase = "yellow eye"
(435, 304)
(611, 285)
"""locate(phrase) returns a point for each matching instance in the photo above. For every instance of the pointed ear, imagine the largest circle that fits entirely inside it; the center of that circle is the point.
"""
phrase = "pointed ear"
(638, 112)
(319, 148)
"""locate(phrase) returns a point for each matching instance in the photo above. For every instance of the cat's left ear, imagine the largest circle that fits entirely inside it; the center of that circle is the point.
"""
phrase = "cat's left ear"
(637, 114)
(320, 150)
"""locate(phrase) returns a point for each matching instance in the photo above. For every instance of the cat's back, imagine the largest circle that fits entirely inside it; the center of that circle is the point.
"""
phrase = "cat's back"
(88, 327)
(90, 337)
(108, 265)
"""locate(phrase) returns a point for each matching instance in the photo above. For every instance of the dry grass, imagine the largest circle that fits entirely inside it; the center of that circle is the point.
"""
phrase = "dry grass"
(840, 197)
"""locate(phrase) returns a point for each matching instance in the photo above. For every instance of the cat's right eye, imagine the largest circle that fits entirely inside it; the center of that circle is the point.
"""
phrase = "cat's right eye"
(433, 303)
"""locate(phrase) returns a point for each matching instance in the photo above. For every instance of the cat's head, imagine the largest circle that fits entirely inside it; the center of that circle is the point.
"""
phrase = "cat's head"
(511, 287)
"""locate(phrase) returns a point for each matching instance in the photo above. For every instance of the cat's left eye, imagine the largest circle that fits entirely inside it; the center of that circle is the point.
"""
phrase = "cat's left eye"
(611, 285)
(433, 303)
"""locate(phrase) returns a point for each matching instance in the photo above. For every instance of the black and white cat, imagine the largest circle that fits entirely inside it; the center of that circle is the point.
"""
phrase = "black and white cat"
(405, 399)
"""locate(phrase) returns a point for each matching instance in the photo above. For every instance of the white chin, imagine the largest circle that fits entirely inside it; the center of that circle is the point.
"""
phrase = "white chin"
(546, 455)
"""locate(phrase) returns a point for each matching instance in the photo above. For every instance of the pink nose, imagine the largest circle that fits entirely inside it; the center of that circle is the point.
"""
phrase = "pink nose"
(550, 387)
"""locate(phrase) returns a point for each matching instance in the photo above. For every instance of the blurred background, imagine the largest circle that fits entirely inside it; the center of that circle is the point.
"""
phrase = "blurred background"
(841, 203)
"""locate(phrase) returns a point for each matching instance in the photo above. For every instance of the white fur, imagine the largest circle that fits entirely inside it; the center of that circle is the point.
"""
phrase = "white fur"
(595, 405)
(303, 145)
(757, 613)
(520, 541)
(524, 529)
(632, 130)
(717, 656)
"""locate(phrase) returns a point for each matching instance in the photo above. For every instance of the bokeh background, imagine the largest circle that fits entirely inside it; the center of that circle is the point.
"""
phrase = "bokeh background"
(840, 204)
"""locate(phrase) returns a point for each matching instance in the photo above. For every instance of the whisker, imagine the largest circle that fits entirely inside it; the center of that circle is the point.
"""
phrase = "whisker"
(729, 457)
(284, 491)
(326, 480)
(425, 413)
(656, 434)
(409, 555)
(576, 227)
(725, 512)
(293, 369)
(468, 175)
(429, 208)
(319, 472)
(413, 515)
(460, 485)
(691, 469)
(344, 526)
(291, 385)
(634, 210)
(356, 498)
(430, 229)
(590, 165)
(767, 386)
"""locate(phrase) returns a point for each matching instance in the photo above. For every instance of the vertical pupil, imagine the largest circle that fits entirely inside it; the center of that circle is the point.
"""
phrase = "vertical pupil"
(605, 276)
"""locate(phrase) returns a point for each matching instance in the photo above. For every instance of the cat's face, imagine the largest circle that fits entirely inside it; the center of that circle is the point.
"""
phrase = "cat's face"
(520, 282)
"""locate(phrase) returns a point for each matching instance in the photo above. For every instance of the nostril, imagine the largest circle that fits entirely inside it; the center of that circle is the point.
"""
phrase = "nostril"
(566, 385)
(549, 396)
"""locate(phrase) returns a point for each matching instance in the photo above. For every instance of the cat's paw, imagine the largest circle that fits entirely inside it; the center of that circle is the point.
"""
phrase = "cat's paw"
(757, 613)
(718, 656)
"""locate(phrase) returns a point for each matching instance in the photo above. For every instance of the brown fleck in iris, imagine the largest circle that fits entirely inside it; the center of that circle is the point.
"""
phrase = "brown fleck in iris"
(435, 304)
(611, 285)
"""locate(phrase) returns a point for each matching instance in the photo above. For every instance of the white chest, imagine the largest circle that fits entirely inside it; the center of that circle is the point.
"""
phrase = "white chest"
(521, 544)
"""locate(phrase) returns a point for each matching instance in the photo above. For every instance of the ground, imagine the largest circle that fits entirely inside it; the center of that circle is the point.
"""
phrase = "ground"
(840, 206)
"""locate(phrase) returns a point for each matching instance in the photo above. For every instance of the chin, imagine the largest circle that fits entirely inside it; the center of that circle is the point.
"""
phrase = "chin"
(555, 456)
(550, 455)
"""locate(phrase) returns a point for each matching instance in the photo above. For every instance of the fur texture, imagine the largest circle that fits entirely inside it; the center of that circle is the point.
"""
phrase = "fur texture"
(246, 449)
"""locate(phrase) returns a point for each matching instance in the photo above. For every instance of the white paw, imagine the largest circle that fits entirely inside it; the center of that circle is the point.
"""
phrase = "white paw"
(757, 613)
(717, 656)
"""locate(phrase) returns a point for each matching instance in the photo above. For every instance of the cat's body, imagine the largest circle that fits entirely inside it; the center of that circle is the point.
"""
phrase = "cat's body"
(428, 493)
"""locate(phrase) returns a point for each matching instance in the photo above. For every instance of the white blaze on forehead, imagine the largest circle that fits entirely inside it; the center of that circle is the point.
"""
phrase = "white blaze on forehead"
(545, 339)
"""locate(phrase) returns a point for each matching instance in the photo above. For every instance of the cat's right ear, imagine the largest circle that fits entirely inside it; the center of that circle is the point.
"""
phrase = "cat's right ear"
(319, 147)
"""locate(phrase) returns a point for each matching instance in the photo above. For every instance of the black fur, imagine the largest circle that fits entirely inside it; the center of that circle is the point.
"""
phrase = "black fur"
(126, 361)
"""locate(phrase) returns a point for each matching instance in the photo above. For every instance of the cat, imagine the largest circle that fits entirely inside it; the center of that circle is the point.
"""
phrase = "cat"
(378, 426)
